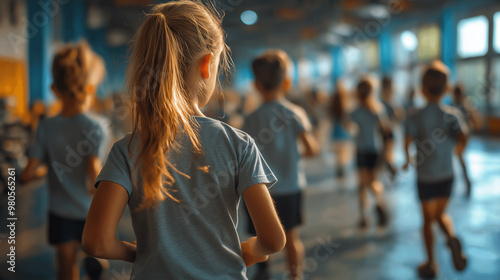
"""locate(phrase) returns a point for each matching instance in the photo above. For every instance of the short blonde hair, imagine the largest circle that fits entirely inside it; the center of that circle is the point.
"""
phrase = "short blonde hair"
(74, 67)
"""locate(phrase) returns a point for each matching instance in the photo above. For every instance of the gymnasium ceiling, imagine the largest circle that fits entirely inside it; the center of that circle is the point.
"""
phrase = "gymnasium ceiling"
(284, 22)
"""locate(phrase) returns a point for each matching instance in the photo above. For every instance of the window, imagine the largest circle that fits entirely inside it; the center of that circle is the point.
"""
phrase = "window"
(496, 35)
(352, 58)
(371, 55)
(472, 74)
(494, 98)
(429, 42)
(473, 37)
(405, 46)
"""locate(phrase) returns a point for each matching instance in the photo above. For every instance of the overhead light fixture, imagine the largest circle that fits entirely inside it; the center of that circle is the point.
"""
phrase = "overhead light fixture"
(249, 17)
(379, 11)
(343, 29)
(95, 17)
(116, 37)
(409, 40)
(333, 39)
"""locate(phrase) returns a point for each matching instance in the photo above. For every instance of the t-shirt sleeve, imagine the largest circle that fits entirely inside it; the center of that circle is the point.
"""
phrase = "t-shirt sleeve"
(456, 123)
(301, 121)
(116, 169)
(37, 149)
(99, 138)
(354, 116)
(253, 169)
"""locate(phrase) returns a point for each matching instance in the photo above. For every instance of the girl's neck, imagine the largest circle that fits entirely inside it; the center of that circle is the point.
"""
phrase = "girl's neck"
(197, 112)
(72, 110)
(273, 96)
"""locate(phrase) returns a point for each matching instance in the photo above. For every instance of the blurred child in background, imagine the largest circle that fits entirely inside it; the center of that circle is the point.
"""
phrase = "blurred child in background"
(393, 116)
(437, 131)
(472, 120)
(70, 145)
(182, 174)
(371, 126)
(340, 134)
(276, 126)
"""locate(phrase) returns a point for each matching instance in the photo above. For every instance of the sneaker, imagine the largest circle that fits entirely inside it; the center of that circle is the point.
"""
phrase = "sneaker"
(362, 224)
(427, 270)
(382, 216)
(459, 260)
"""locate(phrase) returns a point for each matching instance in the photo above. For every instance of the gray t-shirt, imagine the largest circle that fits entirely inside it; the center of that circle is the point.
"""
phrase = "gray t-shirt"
(435, 129)
(195, 238)
(275, 127)
(369, 136)
(64, 144)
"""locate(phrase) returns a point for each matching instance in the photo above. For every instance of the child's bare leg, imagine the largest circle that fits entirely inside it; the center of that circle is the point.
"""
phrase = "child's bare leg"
(444, 220)
(429, 212)
(446, 224)
(376, 187)
(466, 175)
(67, 260)
(295, 253)
(389, 152)
(363, 200)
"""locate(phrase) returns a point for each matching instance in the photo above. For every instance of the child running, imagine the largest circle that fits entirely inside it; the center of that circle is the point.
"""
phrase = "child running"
(180, 173)
(436, 130)
(276, 126)
(392, 116)
(473, 122)
(340, 135)
(70, 145)
(371, 126)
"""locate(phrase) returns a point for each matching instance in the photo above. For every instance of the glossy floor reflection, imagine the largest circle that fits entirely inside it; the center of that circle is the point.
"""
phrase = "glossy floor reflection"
(335, 249)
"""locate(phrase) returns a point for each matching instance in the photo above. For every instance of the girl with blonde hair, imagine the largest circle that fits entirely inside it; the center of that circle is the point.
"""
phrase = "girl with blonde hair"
(181, 173)
(371, 126)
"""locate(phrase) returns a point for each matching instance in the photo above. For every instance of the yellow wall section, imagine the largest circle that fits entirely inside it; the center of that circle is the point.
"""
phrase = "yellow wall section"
(13, 83)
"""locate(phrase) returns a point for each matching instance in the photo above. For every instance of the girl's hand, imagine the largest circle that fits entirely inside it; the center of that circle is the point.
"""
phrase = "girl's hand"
(248, 252)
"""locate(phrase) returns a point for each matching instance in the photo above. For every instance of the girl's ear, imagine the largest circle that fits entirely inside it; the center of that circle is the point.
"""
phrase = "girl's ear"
(287, 84)
(205, 66)
(91, 89)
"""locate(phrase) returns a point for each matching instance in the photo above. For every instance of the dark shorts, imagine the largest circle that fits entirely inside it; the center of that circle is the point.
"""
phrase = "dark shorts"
(63, 230)
(366, 160)
(389, 136)
(441, 189)
(289, 208)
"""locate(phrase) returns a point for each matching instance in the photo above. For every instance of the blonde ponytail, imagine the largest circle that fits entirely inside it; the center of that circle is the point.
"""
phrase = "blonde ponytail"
(165, 47)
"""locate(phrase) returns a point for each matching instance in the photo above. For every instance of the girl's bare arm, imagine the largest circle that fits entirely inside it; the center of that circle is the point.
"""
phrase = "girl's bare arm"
(270, 234)
(99, 235)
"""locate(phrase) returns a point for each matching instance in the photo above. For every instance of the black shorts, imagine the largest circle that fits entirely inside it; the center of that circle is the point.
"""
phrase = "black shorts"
(289, 208)
(441, 189)
(389, 136)
(366, 160)
(63, 230)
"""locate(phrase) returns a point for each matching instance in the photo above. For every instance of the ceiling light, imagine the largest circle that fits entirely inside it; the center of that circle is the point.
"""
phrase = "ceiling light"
(249, 17)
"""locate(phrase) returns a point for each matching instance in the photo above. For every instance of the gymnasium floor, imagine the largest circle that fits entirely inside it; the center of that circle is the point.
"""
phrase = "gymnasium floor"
(335, 249)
